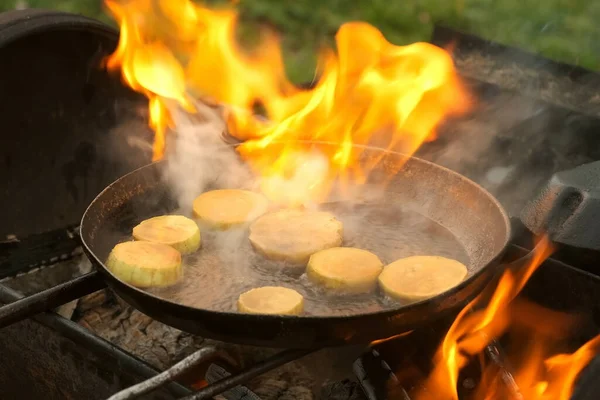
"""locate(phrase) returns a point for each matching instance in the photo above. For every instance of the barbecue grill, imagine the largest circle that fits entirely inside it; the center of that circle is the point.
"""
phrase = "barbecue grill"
(73, 125)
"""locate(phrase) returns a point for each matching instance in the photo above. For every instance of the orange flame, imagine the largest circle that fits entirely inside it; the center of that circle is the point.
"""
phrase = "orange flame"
(535, 373)
(380, 341)
(369, 91)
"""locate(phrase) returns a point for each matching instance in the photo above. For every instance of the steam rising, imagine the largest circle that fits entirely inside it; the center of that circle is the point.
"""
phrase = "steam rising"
(506, 145)
(199, 159)
(491, 146)
(496, 147)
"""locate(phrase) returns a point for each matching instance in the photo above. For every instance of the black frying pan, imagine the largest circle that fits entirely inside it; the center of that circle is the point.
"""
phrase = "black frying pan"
(425, 209)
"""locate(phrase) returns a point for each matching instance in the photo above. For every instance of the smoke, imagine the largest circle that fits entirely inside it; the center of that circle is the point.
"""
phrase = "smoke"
(199, 160)
(533, 118)
(495, 146)
(198, 157)
(511, 143)
(502, 145)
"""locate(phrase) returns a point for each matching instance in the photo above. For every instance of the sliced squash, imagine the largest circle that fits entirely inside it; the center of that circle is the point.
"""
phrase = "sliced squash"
(294, 235)
(271, 300)
(421, 277)
(176, 231)
(345, 269)
(145, 264)
(228, 208)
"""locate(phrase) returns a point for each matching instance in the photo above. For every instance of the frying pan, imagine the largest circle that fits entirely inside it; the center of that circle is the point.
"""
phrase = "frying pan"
(423, 209)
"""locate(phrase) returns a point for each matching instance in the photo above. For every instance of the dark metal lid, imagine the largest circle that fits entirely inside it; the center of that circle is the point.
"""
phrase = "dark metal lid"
(67, 125)
(18, 24)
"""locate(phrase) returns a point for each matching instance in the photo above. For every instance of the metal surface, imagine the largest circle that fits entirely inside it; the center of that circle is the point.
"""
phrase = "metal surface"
(568, 208)
(446, 37)
(19, 255)
(258, 369)
(374, 375)
(463, 208)
(50, 298)
(555, 285)
(216, 373)
(560, 122)
(68, 125)
(496, 355)
(167, 376)
(50, 357)
(588, 385)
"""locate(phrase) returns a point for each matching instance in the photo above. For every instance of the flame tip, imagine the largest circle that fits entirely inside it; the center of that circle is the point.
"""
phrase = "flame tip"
(365, 87)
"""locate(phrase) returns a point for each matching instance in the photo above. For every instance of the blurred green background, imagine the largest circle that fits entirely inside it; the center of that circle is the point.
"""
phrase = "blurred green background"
(566, 30)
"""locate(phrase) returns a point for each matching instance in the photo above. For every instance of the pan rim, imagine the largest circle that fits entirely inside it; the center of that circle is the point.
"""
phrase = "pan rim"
(312, 318)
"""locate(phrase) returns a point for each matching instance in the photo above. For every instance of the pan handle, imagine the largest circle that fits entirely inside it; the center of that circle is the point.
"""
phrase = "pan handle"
(50, 298)
(568, 208)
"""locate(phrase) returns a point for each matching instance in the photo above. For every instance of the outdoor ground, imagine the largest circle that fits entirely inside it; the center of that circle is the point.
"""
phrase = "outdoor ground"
(561, 29)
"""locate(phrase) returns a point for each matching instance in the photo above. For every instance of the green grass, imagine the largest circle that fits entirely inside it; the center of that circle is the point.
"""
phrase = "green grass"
(560, 29)
(566, 30)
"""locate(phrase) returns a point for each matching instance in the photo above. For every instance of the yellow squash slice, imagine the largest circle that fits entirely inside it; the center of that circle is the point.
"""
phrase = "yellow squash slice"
(228, 208)
(145, 264)
(176, 231)
(421, 277)
(295, 235)
(271, 300)
(345, 269)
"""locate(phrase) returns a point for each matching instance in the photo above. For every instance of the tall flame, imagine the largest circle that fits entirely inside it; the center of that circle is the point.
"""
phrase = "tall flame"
(536, 373)
(367, 91)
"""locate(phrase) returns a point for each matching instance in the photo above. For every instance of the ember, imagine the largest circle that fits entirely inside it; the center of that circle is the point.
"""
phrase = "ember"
(369, 87)
(536, 334)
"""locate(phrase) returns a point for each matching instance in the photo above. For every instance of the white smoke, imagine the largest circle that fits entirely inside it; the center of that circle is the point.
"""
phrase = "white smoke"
(198, 159)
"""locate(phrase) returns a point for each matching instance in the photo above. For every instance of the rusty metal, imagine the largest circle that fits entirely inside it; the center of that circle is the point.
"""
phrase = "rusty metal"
(50, 298)
(18, 255)
(270, 363)
(376, 377)
(170, 374)
(447, 37)
(568, 208)
(496, 355)
(51, 357)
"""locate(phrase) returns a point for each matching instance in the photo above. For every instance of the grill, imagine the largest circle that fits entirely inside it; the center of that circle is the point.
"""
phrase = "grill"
(573, 291)
(72, 338)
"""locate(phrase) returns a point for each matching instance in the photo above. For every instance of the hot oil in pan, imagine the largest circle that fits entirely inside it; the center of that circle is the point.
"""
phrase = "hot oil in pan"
(227, 266)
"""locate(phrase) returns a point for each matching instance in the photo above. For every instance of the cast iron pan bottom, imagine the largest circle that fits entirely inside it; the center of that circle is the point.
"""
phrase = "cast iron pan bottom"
(424, 210)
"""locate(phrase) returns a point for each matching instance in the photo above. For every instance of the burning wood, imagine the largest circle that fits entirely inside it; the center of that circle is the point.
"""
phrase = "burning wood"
(531, 368)
(162, 346)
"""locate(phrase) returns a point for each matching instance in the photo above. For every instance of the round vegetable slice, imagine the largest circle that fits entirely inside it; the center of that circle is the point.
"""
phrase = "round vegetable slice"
(345, 269)
(295, 235)
(227, 208)
(176, 231)
(145, 264)
(421, 277)
(271, 300)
